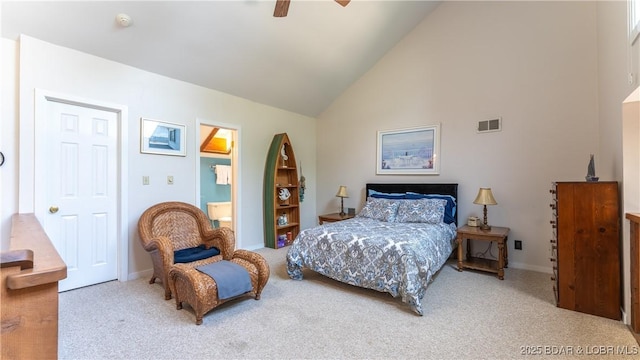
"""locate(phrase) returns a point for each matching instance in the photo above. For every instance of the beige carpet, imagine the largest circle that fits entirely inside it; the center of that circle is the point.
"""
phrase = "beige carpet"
(468, 315)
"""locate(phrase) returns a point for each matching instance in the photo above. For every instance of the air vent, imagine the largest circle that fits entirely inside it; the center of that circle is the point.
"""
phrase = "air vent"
(490, 125)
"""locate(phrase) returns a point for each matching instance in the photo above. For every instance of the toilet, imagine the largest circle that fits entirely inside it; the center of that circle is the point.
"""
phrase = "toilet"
(221, 212)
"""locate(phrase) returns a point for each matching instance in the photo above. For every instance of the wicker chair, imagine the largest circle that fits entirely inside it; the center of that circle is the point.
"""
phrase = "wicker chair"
(171, 226)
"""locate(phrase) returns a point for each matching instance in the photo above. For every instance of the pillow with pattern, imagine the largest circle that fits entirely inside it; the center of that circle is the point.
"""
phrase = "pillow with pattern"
(380, 209)
(449, 209)
(421, 211)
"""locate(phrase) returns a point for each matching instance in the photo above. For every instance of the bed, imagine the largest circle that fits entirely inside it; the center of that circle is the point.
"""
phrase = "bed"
(396, 244)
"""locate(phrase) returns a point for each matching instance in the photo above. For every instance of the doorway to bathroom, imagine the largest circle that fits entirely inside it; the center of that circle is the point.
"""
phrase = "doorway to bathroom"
(218, 175)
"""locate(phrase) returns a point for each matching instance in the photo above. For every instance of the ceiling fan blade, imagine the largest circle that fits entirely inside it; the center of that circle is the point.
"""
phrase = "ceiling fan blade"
(282, 7)
(343, 2)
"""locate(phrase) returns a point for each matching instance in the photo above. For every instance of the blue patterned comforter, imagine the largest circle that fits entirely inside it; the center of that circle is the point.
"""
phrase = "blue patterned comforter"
(398, 258)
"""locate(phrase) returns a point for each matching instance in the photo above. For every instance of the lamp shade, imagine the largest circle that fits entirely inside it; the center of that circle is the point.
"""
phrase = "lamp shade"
(485, 197)
(342, 192)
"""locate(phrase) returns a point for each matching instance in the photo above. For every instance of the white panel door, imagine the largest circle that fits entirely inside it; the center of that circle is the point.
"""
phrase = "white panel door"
(81, 191)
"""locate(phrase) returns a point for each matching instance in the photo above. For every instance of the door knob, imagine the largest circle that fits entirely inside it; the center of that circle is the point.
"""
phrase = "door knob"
(53, 209)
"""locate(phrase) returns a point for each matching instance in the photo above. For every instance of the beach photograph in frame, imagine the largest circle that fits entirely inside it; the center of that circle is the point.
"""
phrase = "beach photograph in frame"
(159, 137)
(409, 151)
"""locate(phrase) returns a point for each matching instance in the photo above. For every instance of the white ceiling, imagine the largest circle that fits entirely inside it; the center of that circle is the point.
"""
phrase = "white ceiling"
(300, 63)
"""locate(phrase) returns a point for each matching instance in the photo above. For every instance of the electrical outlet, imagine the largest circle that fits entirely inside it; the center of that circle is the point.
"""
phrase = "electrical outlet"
(145, 180)
(170, 180)
(517, 244)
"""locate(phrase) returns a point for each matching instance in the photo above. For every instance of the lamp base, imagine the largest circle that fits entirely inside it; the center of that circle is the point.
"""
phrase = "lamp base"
(342, 213)
(485, 226)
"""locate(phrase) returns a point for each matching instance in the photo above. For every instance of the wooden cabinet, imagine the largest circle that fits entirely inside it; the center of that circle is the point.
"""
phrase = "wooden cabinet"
(29, 280)
(586, 247)
(281, 216)
(634, 247)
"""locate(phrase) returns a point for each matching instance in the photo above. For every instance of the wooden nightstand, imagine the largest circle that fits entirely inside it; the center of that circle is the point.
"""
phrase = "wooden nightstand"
(497, 234)
(333, 217)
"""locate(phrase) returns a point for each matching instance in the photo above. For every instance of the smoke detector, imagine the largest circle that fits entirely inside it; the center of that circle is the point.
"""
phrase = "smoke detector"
(124, 20)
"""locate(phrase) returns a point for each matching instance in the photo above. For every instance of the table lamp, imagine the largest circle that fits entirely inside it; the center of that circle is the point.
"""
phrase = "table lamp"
(342, 193)
(485, 197)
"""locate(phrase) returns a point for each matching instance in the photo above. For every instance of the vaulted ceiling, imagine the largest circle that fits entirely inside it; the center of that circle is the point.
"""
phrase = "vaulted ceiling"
(300, 63)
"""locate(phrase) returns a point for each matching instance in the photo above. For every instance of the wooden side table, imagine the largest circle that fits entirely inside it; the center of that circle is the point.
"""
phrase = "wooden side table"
(333, 217)
(497, 234)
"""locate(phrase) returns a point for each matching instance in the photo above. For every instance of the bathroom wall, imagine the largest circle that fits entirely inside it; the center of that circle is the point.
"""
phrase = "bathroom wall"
(209, 190)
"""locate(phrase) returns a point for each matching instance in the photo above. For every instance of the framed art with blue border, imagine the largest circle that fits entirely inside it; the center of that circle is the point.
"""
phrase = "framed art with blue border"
(412, 151)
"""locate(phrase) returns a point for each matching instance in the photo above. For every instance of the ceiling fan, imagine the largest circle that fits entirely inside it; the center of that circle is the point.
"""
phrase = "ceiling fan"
(282, 7)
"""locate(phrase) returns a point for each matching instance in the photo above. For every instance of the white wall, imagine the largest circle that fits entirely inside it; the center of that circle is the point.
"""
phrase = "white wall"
(533, 63)
(62, 70)
(617, 58)
(631, 189)
(8, 139)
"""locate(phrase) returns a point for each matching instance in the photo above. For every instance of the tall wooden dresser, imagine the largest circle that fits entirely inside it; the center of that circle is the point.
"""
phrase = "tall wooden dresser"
(586, 247)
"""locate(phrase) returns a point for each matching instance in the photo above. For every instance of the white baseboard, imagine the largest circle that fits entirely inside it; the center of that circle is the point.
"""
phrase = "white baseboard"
(139, 274)
(542, 269)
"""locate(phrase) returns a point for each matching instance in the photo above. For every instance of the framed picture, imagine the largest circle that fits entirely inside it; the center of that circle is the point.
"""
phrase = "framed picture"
(159, 137)
(413, 151)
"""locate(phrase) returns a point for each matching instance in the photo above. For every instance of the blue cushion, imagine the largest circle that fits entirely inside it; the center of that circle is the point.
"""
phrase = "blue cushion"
(381, 195)
(449, 209)
(232, 279)
(388, 196)
(194, 254)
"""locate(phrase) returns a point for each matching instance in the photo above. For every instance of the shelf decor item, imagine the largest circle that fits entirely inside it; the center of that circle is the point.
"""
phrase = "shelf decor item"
(284, 194)
(485, 197)
(284, 156)
(281, 194)
(591, 171)
(303, 184)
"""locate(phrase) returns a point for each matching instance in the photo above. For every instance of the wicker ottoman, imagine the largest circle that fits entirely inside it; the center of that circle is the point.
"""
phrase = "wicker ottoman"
(201, 291)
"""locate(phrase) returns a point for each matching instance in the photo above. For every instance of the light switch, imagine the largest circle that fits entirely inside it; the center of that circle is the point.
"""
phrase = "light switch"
(170, 180)
(145, 180)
